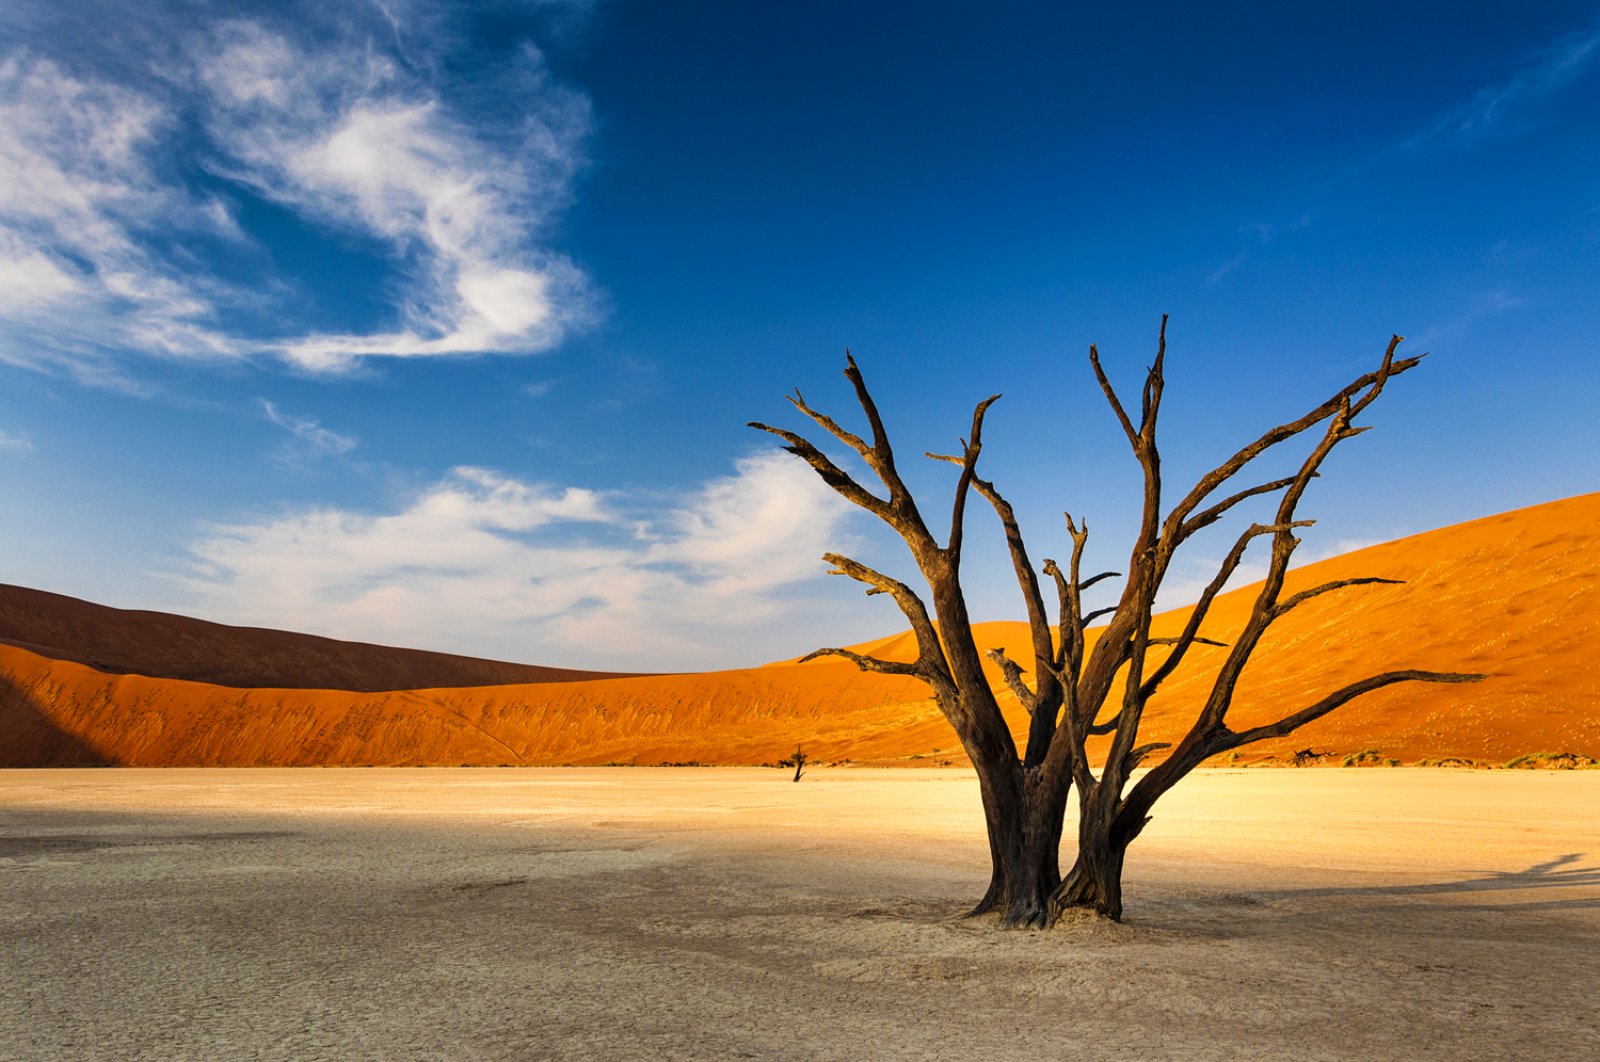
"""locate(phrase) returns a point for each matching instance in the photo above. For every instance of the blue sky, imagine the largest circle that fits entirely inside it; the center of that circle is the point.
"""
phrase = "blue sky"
(439, 324)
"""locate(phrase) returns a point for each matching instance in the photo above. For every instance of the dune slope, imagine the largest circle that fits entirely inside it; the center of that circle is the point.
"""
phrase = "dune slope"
(177, 647)
(1515, 595)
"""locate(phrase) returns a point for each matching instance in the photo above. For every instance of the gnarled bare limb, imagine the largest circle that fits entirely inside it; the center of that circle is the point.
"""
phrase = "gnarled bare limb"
(1213, 514)
(969, 466)
(831, 474)
(1209, 482)
(1137, 756)
(1339, 584)
(1290, 723)
(867, 663)
(1202, 607)
(849, 438)
(1084, 584)
(1111, 396)
(1013, 676)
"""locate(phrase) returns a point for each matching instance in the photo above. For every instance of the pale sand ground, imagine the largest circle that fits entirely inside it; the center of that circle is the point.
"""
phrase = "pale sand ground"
(299, 914)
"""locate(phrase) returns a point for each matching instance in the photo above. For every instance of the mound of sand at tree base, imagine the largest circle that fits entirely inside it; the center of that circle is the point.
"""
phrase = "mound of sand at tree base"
(1515, 595)
(167, 646)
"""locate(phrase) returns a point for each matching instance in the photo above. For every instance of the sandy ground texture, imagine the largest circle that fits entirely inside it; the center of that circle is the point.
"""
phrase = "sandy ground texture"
(728, 913)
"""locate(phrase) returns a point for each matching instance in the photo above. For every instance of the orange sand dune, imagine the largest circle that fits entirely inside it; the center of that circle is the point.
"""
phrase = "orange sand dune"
(1515, 595)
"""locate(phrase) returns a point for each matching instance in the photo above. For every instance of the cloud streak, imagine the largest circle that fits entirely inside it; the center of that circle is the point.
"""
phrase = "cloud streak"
(365, 146)
(1511, 105)
(311, 440)
(85, 195)
(120, 232)
(486, 564)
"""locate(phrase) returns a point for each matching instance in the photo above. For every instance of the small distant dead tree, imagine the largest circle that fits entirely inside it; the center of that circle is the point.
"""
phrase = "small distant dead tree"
(1076, 693)
(798, 761)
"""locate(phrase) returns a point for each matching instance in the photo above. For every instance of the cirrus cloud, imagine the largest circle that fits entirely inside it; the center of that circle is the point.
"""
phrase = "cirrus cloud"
(123, 230)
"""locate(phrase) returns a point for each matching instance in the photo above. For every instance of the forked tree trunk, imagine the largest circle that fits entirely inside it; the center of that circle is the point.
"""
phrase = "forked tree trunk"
(1095, 881)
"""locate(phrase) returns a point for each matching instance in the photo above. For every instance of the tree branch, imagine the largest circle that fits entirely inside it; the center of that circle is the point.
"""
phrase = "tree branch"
(1225, 471)
(1290, 723)
(1154, 381)
(1013, 675)
(1138, 754)
(1197, 614)
(1211, 515)
(1086, 583)
(931, 664)
(850, 439)
(880, 455)
(969, 466)
(899, 509)
(1111, 397)
(1264, 611)
(831, 474)
(1381, 377)
(1317, 591)
(867, 663)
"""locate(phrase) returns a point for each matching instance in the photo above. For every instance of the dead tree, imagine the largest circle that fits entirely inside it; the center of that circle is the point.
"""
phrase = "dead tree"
(1076, 692)
(798, 761)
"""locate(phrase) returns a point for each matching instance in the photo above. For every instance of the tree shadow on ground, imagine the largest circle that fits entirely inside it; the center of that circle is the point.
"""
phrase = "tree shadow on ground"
(1561, 872)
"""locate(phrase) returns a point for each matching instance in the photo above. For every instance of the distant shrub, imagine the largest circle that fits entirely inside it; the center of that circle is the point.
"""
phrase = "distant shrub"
(1368, 758)
(1554, 761)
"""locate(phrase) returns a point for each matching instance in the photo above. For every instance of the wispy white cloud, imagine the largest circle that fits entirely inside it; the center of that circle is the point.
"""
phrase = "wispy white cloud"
(1227, 267)
(85, 200)
(116, 171)
(310, 439)
(1259, 234)
(1478, 307)
(8, 441)
(355, 141)
(486, 564)
(1513, 104)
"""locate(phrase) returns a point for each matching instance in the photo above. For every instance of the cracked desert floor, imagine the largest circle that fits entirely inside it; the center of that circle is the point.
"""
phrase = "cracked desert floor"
(728, 913)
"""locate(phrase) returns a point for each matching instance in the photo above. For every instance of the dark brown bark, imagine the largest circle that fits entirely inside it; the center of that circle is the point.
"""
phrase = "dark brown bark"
(1069, 692)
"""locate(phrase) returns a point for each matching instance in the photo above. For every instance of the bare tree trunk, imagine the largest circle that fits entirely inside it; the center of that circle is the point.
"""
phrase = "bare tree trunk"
(1095, 881)
(1024, 816)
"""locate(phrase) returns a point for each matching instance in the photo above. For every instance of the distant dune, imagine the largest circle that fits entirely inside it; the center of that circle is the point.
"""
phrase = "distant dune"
(1515, 595)
(176, 647)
